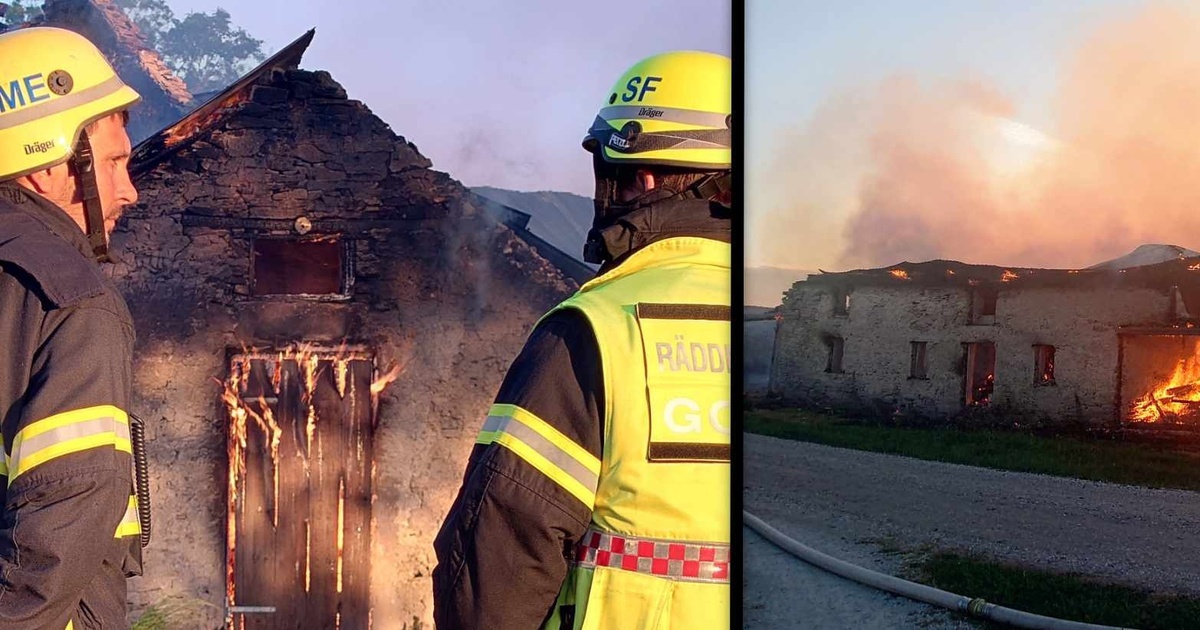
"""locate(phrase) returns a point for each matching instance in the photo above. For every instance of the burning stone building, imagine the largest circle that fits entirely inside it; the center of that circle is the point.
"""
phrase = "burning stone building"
(322, 323)
(936, 339)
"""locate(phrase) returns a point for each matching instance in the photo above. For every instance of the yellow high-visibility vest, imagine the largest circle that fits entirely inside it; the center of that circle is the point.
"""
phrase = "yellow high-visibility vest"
(657, 553)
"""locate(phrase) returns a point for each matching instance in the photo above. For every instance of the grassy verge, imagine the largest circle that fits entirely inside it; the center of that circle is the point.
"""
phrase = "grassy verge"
(1055, 595)
(173, 612)
(1100, 460)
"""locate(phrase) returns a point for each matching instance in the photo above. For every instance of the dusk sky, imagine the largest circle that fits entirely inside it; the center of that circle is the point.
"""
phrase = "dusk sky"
(495, 93)
(1053, 133)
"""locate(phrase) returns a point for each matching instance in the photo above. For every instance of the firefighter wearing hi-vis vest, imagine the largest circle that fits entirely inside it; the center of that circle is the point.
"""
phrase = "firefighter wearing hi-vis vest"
(597, 494)
(69, 537)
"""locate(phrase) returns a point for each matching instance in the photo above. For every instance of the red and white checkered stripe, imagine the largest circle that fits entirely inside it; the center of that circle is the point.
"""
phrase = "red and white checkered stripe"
(676, 560)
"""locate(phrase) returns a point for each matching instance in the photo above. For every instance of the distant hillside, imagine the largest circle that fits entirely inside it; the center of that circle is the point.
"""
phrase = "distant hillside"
(1149, 254)
(758, 313)
(561, 218)
(765, 285)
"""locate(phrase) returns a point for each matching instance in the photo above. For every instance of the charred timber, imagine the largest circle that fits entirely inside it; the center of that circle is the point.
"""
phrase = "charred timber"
(319, 226)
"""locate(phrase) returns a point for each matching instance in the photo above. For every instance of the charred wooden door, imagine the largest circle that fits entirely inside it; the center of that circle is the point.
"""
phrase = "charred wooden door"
(300, 475)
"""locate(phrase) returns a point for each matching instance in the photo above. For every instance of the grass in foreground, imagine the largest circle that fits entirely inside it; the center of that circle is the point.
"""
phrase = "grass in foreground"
(172, 612)
(1055, 595)
(1117, 462)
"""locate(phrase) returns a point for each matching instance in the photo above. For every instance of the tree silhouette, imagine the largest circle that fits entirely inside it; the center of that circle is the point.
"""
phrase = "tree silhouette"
(206, 50)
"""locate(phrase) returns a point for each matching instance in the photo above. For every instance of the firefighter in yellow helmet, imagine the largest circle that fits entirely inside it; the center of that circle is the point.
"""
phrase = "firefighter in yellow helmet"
(597, 494)
(69, 534)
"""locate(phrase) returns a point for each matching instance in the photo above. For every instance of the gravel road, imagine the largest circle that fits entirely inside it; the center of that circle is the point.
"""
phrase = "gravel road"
(784, 593)
(849, 500)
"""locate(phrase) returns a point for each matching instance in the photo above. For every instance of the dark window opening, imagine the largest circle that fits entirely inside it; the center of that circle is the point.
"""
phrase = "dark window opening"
(841, 301)
(836, 346)
(1043, 364)
(980, 373)
(286, 267)
(983, 303)
(916, 367)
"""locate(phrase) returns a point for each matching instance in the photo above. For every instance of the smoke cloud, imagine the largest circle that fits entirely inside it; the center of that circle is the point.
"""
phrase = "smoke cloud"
(944, 172)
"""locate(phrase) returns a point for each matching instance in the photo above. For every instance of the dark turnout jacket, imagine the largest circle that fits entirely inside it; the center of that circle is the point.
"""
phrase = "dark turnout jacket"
(68, 532)
(504, 549)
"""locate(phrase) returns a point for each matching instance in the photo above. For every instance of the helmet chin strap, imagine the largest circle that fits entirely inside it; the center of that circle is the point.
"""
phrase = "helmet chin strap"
(603, 201)
(85, 170)
(714, 186)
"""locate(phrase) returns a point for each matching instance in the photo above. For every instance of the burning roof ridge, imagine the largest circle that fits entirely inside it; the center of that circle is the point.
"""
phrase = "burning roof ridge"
(1175, 272)
(940, 263)
(1148, 254)
(188, 128)
(947, 263)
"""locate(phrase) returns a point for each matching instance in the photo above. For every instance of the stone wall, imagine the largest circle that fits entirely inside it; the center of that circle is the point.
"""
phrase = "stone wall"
(882, 322)
(437, 286)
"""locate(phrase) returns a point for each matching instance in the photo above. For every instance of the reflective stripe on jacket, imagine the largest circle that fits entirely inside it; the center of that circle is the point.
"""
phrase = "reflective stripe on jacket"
(545, 448)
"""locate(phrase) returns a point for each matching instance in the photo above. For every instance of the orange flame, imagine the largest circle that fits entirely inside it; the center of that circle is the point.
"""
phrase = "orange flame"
(242, 410)
(373, 486)
(341, 371)
(267, 424)
(382, 382)
(341, 526)
(900, 273)
(231, 395)
(1008, 275)
(1169, 399)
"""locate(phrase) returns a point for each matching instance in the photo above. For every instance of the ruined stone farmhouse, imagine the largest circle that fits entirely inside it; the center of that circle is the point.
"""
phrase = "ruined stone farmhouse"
(939, 339)
(322, 321)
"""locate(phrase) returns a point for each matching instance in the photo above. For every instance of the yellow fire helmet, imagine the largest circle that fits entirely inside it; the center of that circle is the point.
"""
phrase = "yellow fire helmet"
(671, 109)
(53, 83)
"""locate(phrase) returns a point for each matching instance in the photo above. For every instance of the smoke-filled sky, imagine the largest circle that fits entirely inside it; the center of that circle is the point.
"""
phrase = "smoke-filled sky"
(495, 92)
(1057, 136)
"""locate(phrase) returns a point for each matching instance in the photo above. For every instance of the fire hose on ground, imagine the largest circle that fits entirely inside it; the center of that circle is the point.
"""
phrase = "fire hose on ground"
(975, 607)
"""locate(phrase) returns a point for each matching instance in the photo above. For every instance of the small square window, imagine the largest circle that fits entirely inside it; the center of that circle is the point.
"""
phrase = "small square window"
(288, 267)
(983, 304)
